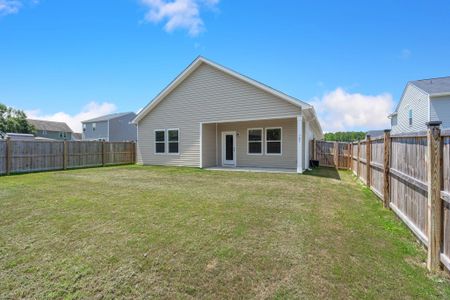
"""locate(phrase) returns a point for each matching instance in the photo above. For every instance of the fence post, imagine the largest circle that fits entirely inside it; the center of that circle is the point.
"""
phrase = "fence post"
(315, 149)
(368, 159)
(336, 155)
(357, 160)
(350, 154)
(386, 166)
(103, 153)
(434, 196)
(64, 155)
(134, 144)
(8, 155)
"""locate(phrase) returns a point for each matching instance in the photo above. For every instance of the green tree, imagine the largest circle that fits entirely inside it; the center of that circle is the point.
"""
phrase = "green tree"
(346, 136)
(13, 120)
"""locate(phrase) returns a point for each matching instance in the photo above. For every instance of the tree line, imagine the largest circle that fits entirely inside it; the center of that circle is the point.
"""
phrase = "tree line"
(13, 120)
(345, 136)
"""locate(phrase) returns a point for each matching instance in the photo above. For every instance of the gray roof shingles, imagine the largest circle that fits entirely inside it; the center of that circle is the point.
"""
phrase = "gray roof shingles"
(107, 117)
(434, 85)
(49, 125)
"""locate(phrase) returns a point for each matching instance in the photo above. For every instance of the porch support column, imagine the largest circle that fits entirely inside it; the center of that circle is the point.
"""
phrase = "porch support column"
(307, 145)
(300, 166)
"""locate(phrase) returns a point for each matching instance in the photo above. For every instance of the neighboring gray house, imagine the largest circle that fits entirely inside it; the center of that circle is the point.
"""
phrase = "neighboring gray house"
(211, 116)
(422, 101)
(112, 128)
(51, 130)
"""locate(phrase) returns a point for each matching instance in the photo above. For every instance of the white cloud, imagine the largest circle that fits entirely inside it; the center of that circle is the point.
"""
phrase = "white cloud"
(184, 14)
(8, 7)
(340, 110)
(89, 111)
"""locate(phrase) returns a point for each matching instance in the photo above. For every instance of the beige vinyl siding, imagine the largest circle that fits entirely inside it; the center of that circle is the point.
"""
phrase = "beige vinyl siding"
(440, 110)
(288, 158)
(417, 100)
(209, 143)
(207, 95)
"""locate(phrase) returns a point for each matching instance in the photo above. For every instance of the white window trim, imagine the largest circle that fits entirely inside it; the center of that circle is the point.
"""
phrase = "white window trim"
(248, 141)
(281, 141)
(167, 140)
(155, 142)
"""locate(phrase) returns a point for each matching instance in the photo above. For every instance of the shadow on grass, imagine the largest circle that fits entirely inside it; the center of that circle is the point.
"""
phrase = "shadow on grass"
(324, 172)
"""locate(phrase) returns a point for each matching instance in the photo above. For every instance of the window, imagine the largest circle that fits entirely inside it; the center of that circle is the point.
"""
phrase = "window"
(410, 117)
(254, 138)
(44, 132)
(273, 141)
(94, 125)
(160, 141)
(84, 127)
(173, 140)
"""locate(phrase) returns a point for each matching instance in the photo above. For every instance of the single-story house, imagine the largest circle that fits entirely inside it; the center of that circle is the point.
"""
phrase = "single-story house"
(51, 130)
(422, 101)
(115, 127)
(211, 116)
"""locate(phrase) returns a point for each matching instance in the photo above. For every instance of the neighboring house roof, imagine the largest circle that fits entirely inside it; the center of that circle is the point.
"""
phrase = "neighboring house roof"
(375, 133)
(49, 125)
(107, 117)
(20, 136)
(77, 135)
(434, 87)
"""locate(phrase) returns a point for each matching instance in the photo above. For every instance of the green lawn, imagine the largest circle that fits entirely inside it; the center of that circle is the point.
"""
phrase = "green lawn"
(135, 232)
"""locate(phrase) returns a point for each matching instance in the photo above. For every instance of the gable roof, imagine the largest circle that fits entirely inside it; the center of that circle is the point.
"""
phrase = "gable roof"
(193, 66)
(50, 125)
(434, 86)
(108, 117)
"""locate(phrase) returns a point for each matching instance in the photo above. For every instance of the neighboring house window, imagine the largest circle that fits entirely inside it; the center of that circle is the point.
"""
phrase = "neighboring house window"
(173, 140)
(94, 125)
(254, 138)
(44, 132)
(273, 141)
(84, 127)
(410, 117)
(160, 141)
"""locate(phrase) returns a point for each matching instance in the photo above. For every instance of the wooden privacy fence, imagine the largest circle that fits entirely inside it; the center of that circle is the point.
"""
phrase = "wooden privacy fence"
(410, 174)
(331, 154)
(36, 155)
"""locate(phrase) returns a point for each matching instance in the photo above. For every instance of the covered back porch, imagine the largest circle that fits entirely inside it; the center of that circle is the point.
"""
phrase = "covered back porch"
(263, 144)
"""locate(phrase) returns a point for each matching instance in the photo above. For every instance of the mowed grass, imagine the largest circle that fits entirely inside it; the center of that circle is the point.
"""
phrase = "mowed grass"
(161, 232)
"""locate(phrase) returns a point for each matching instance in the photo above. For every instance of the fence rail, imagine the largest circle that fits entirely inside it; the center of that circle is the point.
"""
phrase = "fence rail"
(411, 175)
(33, 156)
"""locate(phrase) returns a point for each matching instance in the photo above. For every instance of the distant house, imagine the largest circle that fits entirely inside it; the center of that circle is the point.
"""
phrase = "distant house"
(51, 130)
(113, 128)
(422, 101)
(375, 133)
(211, 116)
(77, 136)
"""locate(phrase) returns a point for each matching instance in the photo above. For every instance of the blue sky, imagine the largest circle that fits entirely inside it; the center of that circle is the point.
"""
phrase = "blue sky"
(76, 59)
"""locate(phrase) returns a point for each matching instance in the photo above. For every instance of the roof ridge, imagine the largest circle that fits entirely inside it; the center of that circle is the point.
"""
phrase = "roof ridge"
(441, 77)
